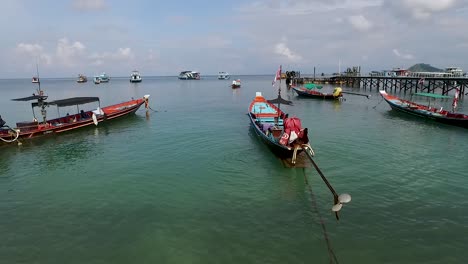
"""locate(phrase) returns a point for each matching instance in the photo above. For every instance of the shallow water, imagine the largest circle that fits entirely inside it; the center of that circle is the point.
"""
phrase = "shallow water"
(192, 183)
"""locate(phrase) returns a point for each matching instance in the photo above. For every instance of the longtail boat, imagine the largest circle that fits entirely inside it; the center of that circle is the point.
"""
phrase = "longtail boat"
(426, 111)
(305, 92)
(35, 128)
(284, 135)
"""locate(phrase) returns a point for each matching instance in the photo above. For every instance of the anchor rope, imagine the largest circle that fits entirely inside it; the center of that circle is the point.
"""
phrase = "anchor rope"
(378, 103)
(149, 107)
(331, 253)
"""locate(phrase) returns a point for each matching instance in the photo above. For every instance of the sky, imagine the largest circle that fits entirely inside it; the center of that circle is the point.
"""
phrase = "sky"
(162, 38)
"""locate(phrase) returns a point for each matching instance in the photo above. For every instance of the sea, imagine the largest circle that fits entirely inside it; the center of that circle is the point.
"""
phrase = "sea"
(188, 181)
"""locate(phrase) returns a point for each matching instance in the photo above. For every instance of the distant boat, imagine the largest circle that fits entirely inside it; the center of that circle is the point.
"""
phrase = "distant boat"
(104, 77)
(35, 79)
(97, 80)
(223, 76)
(81, 78)
(135, 77)
(236, 84)
(189, 75)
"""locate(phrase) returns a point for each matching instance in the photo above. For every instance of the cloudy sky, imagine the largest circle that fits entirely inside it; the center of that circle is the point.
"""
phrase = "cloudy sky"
(68, 37)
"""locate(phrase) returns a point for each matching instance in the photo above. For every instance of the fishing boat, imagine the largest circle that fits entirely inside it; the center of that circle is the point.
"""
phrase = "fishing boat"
(81, 78)
(427, 111)
(223, 76)
(135, 77)
(45, 126)
(35, 79)
(305, 92)
(236, 84)
(189, 75)
(282, 134)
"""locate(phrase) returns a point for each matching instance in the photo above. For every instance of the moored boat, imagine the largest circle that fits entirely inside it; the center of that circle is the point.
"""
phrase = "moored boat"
(223, 76)
(135, 77)
(304, 92)
(283, 135)
(81, 78)
(104, 77)
(426, 111)
(189, 75)
(236, 84)
(45, 126)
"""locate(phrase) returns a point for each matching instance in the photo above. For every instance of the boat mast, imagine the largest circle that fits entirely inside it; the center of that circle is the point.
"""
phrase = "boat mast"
(279, 93)
(41, 99)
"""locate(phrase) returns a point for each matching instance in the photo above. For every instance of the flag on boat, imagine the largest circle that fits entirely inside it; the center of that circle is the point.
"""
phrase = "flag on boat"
(421, 81)
(455, 99)
(277, 76)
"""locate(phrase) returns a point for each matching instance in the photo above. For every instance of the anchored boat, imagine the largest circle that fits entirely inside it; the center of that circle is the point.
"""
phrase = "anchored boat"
(304, 92)
(236, 84)
(189, 75)
(45, 126)
(223, 76)
(135, 77)
(81, 78)
(426, 111)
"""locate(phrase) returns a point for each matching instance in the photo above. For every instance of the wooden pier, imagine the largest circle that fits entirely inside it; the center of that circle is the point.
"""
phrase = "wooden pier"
(441, 85)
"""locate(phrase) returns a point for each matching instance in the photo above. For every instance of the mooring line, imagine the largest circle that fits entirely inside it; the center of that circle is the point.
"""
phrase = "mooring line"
(331, 253)
(378, 103)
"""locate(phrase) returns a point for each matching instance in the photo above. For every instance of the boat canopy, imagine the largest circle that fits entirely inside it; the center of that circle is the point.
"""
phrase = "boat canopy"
(431, 95)
(29, 98)
(74, 101)
(312, 86)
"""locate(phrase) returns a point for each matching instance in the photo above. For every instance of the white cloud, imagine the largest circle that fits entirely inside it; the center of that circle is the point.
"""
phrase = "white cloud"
(68, 53)
(421, 9)
(282, 49)
(360, 23)
(89, 5)
(33, 52)
(122, 54)
(304, 7)
(403, 56)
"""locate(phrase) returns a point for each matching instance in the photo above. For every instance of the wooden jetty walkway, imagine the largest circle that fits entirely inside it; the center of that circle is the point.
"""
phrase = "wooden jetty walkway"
(405, 84)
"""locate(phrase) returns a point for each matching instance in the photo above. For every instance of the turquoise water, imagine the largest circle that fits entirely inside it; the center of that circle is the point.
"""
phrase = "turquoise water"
(191, 183)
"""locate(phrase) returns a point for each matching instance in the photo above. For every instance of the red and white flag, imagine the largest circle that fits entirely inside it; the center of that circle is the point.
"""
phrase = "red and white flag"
(277, 76)
(455, 99)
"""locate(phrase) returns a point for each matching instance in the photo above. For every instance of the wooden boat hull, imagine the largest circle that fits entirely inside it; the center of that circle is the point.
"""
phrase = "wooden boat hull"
(411, 108)
(314, 94)
(268, 123)
(279, 150)
(63, 124)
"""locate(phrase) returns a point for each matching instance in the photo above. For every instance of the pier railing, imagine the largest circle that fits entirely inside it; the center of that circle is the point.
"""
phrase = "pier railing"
(442, 85)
